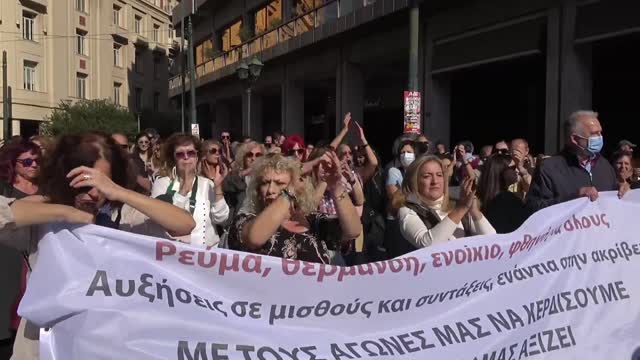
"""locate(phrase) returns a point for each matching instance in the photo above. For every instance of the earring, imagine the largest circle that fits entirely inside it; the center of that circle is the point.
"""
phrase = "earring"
(174, 173)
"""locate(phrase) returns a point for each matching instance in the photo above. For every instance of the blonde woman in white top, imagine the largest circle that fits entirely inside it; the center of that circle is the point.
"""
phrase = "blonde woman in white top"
(201, 196)
(425, 215)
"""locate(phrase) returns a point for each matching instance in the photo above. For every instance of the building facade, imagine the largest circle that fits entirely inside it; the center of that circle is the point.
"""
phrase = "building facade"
(66, 50)
(488, 69)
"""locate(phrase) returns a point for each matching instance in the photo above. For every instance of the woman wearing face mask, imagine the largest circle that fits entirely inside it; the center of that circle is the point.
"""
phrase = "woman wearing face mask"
(280, 220)
(235, 185)
(201, 196)
(504, 209)
(426, 218)
(395, 175)
(84, 175)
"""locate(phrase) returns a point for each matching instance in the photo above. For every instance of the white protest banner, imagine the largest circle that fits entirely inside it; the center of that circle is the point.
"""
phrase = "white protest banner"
(564, 286)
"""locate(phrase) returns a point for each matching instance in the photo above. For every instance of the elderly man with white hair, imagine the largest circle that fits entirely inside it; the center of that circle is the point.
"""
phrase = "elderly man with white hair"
(579, 170)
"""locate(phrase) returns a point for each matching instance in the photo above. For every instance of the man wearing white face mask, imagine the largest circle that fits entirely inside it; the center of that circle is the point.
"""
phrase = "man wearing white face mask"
(579, 170)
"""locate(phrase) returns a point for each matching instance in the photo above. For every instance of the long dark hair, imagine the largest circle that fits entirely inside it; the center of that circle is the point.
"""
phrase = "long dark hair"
(492, 179)
(77, 150)
(136, 150)
(10, 153)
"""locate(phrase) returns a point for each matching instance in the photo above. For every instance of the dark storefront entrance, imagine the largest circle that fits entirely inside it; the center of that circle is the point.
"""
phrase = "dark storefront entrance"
(503, 100)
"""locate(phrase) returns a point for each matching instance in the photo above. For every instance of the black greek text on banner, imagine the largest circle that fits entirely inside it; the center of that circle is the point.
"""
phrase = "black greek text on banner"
(564, 286)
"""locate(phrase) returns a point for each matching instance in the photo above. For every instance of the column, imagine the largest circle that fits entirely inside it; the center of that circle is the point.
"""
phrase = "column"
(552, 92)
(436, 104)
(292, 108)
(575, 69)
(349, 95)
(252, 123)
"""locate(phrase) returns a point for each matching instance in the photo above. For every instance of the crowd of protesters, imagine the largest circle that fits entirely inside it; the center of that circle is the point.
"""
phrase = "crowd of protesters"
(335, 204)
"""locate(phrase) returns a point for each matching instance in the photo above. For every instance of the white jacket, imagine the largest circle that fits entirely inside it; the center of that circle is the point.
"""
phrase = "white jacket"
(207, 213)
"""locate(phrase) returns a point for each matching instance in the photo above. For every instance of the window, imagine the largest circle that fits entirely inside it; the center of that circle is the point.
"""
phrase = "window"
(156, 33)
(116, 93)
(81, 42)
(29, 75)
(28, 25)
(138, 63)
(116, 15)
(138, 99)
(156, 67)
(81, 86)
(231, 36)
(117, 56)
(268, 17)
(156, 101)
(137, 24)
(170, 34)
(81, 5)
(204, 51)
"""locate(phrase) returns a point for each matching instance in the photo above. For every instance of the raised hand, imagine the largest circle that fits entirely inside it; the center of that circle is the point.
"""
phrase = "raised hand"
(84, 176)
(347, 120)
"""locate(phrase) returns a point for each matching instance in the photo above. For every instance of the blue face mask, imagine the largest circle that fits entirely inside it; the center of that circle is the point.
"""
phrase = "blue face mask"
(594, 144)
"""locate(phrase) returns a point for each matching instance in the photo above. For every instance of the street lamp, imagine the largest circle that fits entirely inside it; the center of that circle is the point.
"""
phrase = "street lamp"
(249, 73)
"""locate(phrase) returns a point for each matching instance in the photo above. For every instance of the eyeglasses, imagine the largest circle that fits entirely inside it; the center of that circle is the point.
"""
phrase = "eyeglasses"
(254, 155)
(27, 162)
(185, 154)
(296, 151)
(213, 151)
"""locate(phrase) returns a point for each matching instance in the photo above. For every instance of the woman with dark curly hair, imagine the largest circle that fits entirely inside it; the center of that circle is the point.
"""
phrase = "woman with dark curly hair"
(85, 180)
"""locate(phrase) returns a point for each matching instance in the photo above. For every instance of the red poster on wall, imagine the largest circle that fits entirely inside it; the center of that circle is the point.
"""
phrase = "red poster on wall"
(412, 105)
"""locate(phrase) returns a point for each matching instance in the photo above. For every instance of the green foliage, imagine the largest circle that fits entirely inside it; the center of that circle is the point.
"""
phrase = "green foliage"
(90, 115)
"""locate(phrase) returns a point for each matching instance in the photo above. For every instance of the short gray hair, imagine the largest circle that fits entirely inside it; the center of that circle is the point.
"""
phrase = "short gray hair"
(572, 122)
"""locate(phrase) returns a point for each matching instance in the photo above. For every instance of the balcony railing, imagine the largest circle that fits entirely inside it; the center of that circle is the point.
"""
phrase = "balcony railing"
(301, 24)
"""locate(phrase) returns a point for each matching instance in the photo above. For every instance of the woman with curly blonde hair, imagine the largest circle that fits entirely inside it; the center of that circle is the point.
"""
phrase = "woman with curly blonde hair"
(280, 219)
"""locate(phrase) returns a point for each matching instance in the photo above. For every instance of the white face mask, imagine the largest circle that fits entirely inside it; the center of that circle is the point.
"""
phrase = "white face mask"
(407, 158)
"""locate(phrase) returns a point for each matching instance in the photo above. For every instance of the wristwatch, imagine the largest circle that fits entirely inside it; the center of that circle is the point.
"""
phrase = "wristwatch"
(289, 195)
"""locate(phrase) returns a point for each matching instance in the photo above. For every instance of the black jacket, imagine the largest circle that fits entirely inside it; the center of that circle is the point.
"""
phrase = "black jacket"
(560, 178)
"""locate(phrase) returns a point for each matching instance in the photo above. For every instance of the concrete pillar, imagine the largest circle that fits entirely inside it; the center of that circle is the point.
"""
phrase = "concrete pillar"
(552, 120)
(349, 95)
(252, 125)
(436, 102)
(437, 124)
(576, 81)
(292, 107)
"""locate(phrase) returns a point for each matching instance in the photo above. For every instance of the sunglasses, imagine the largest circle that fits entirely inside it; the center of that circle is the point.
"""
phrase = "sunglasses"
(253, 155)
(213, 151)
(296, 151)
(27, 162)
(225, 136)
(185, 154)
